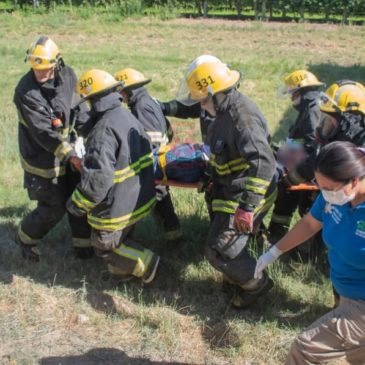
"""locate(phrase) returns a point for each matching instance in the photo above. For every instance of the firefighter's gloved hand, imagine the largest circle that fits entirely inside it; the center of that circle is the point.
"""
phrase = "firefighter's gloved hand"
(80, 147)
(73, 209)
(292, 178)
(76, 163)
(205, 183)
(286, 181)
(243, 221)
(265, 260)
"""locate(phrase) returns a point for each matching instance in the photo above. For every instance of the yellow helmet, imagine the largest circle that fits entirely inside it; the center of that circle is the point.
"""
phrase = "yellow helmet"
(131, 78)
(343, 96)
(300, 79)
(210, 79)
(43, 54)
(94, 82)
(199, 61)
(183, 95)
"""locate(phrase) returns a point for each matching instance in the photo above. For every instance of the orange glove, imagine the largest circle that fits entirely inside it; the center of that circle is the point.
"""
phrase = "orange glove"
(243, 221)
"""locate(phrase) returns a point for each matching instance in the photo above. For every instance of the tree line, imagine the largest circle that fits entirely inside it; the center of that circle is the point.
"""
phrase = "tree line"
(268, 9)
(258, 9)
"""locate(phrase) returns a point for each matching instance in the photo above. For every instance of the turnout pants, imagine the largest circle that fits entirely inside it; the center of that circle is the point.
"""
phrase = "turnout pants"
(288, 201)
(227, 250)
(285, 205)
(123, 255)
(51, 197)
(339, 333)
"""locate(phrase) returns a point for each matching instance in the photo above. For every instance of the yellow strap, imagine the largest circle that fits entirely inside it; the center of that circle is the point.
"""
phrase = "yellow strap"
(162, 160)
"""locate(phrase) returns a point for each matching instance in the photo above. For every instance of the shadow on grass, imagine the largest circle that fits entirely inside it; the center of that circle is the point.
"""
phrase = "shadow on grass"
(199, 295)
(103, 356)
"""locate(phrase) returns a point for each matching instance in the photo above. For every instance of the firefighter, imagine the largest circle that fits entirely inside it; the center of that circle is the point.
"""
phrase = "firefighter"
(301, 145)
(184, 107)
(148, 111)
(43, 98)
(117, 185)
(243, 166)
(343, 110)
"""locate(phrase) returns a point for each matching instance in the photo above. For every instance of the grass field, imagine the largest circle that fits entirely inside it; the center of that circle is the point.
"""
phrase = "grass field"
(63, 311)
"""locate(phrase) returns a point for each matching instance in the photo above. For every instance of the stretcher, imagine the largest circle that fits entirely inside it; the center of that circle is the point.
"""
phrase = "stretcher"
(304, 186)
(176, 183)
(183, 165)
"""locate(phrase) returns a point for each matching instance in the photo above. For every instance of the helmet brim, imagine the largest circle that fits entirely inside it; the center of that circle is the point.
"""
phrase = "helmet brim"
(114, 88)
(137, 85)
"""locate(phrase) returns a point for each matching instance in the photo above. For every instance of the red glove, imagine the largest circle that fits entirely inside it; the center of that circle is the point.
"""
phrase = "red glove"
(76, 163)
(243, 221)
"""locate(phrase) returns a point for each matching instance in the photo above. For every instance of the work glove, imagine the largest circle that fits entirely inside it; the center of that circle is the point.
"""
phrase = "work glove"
(265, 260)
(286, 182)
(205, 183)
(79, 147)
(292, 178)
(243, 221)
(76, 163)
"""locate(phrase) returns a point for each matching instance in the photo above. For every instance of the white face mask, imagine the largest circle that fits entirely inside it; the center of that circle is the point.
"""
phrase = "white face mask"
(337, 197)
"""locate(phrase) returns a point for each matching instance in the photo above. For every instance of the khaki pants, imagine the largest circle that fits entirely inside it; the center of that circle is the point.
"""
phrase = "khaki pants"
(338, 334)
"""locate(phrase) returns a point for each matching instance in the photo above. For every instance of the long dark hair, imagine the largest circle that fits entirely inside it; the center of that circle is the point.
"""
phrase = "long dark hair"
(341, 161)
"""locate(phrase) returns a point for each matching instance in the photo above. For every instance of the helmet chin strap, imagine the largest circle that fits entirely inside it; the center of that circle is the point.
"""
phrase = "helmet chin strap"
(219, 100)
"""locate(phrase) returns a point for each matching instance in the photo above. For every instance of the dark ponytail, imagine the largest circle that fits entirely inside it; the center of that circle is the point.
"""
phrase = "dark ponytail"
(341, 161)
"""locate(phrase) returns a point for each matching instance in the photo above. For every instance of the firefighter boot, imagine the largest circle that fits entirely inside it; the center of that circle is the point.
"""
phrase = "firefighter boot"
(164, 213)
(150, 273)
(276, 231)
(29, 252)
(83, 253)
(245, 298)
(118, 274)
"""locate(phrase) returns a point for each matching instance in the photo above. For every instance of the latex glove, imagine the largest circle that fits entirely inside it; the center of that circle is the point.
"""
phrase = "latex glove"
(265, 260)
(243, 221)
(79, 147)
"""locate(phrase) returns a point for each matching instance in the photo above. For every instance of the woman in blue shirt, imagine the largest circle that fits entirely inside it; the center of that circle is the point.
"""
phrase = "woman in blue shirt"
(340, 212)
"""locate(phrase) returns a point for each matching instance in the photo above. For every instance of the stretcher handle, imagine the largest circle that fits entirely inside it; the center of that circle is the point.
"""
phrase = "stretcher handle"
(304, 186)
(180, 184)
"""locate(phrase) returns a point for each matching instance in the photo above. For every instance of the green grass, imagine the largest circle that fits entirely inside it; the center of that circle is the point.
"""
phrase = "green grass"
(64, 310)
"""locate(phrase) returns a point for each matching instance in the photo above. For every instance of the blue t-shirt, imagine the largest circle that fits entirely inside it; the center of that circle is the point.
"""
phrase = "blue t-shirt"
(344, 234)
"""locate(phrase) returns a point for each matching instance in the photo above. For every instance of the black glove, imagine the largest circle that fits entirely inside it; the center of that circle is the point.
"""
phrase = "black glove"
(205, 183)
(163, 106)
(292, 178)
